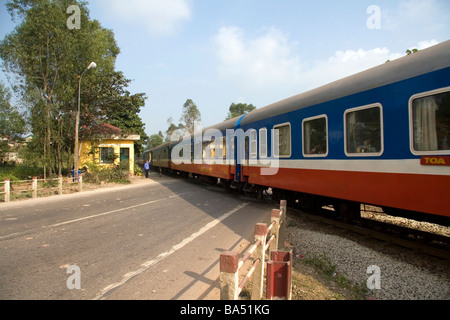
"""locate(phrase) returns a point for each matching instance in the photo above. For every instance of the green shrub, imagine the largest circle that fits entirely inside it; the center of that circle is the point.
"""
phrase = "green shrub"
(138, 170)
(114, 173)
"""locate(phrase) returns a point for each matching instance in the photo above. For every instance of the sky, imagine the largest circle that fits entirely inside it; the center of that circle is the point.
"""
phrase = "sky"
(219, 52)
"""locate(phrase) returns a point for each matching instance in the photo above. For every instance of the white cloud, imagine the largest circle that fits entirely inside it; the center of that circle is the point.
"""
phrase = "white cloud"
(346, 63)
(271, 60)
(268, 58)
(159, 17)
(416, 16)
(426, 44)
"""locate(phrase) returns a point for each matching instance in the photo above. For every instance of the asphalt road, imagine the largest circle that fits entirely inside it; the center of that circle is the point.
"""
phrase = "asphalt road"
(157, 240)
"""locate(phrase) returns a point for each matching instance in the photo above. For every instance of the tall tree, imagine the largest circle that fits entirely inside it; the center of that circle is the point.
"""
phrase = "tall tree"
(190, 116)
(155, 140)
(128, 118)
(12, 121)
(172, 128)
(239, 109)
(106, 99)
(47, 57)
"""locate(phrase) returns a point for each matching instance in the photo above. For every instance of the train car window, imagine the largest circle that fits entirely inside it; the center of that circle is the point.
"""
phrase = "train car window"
(212, 149)
(246, 147)
(198, 152)
(364, 131)
(282, 140)
(229, 149)
(223, 148)
(431, 122)
(315, 137)
(263, 143)
(253, 144)
(206, 150)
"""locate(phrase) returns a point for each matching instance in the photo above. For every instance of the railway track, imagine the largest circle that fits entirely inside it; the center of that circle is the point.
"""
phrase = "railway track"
(413, 239)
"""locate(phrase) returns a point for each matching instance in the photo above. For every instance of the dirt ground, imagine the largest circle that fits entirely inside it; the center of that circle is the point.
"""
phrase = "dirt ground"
(311, 283)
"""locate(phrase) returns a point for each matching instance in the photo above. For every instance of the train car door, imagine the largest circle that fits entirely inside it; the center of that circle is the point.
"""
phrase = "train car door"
(239, 151)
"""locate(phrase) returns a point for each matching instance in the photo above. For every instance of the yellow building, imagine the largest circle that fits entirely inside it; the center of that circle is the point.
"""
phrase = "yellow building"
(107, 146)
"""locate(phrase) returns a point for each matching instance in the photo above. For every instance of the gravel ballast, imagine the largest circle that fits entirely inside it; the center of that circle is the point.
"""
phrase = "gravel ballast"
(403, 273)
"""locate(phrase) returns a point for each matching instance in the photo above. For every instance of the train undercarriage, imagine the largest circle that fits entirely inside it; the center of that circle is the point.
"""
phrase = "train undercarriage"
(338, 208)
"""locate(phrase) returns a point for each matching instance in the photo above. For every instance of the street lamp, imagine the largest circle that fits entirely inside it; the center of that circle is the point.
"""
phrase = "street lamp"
(77, 124)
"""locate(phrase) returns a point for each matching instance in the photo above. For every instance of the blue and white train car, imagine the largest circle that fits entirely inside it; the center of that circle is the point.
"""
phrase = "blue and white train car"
(379, 137)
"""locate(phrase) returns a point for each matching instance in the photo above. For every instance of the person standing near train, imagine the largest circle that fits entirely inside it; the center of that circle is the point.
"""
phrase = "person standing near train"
(147, 169)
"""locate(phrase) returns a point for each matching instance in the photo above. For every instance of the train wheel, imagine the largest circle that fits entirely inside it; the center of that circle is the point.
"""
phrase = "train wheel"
(225, 184)
(308, 203)
(260, 193)
(347, 210)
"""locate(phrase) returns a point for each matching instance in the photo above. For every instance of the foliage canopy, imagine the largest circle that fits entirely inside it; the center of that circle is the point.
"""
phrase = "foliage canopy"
(47, 58)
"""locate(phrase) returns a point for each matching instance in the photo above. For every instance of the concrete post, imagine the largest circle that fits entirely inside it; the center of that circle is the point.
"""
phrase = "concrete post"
(34, 188)
(229, 277)
(260, 253)
(275, 220)
(283, 223)
(80, 183)
(7, 190)
(60, 185)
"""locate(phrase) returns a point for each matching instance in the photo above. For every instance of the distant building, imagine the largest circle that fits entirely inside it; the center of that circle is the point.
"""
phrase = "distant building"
(11, 154)
(106, 145)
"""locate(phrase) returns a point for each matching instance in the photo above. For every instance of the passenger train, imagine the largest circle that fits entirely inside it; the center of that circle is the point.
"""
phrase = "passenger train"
(380, 137)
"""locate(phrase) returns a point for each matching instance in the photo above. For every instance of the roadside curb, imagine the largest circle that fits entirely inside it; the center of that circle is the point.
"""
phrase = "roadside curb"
(135, 182)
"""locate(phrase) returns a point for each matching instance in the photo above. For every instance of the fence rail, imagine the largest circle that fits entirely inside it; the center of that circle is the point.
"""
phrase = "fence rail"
(231, 265)
(11, 190)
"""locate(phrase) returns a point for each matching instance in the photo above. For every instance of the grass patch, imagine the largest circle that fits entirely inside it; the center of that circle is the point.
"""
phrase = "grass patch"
(316, 278)
(19, 172)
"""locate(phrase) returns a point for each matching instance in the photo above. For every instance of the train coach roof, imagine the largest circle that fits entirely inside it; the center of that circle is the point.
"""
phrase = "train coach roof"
(227, 124)
(431, 59)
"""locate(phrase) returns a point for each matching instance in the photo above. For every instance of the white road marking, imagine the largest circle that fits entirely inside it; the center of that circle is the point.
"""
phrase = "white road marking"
(164, 255)
(114, 211)
(88, 217)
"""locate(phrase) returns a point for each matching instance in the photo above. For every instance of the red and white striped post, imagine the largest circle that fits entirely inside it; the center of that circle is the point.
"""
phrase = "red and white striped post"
(229, 276)
(260, 253)
(280, 269)
(274, 231)
(282, 226)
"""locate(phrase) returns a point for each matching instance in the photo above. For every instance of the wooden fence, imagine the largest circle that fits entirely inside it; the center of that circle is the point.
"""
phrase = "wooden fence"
(25, 188)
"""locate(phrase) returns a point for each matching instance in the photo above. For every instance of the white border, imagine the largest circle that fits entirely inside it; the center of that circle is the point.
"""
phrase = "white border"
(404, 166)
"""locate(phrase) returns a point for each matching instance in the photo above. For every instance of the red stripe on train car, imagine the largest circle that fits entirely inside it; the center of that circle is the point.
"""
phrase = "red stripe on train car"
(415, 192)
